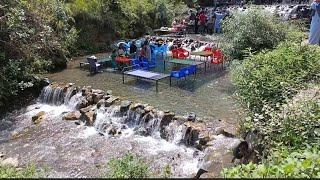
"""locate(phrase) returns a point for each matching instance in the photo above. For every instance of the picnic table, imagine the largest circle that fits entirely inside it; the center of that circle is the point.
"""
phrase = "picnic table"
(149, 75)
(204, 54)
(186, 62)
(102, 61)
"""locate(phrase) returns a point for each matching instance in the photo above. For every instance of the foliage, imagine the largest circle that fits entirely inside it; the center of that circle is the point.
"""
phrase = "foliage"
(296, 125)
(255, 30)
(166, 171)
(281, 164)
(268, 78)
(131, 18)
(11, 172)
(128, 166)
(36, 36)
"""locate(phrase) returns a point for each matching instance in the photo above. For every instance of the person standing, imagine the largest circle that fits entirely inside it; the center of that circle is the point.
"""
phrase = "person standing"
(196, 25)
(203, 19)
(217, 24)
(314, 36)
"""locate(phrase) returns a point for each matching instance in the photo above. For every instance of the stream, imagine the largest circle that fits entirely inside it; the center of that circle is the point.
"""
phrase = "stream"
(74, 149)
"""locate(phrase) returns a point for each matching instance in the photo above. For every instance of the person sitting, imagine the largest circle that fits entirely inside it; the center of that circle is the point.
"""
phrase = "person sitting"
(121, 51)
(133, 49)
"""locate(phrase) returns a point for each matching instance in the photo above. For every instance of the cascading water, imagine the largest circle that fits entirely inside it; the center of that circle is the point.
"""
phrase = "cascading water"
(138, 130)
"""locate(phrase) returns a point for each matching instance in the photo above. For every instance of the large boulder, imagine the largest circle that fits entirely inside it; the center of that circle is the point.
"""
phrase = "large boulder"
(218, 155)
(111, 100)
(37, 119)
(97, 97)
(124, 107)
(167, 118)
(100, 103)
(72, 116)
(90, 117)
(86, 109)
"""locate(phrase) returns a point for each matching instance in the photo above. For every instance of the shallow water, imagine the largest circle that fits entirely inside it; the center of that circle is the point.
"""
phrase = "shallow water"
(209, 96)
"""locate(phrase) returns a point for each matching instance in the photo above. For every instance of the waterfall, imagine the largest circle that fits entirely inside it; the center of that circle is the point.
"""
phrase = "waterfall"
(56, 96)
(70, 92)
(51, 95)
(110, 121)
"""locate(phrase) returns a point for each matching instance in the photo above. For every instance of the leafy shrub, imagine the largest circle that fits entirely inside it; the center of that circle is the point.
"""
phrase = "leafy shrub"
(281, 164)
(133, 18)
(12, 172)
(268, 78)
(128, 166)
(255, 30)
(36, 36)
(296, 125)
(166, 172)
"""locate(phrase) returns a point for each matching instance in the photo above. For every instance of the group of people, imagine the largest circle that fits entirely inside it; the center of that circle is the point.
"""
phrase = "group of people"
(131, 51)
(204, 21)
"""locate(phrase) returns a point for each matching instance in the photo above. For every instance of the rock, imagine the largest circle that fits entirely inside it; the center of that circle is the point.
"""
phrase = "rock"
(112, 130)
(89, 98)
(86, 109)
(2, 155)
(111, 101)
(10, 162)
(166, 118)
(109, 92)
(90, 117)
(191, 117)
(97, 91)
(97, 97)
(86, 90)
(39, 117)
(137, 105)
(142, 131)
(204, 138)
(224, 132)
(84, 103)
(71, 116)
(149, 109)
(100, 103)
(124, 107)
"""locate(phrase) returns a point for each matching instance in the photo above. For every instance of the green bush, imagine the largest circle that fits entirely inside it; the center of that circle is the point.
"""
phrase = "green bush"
(296, 125)
(255, 30)
(268, 78)
(12, 172)
(281, 164)
(99, 20)
(36, 36)
(128, 166)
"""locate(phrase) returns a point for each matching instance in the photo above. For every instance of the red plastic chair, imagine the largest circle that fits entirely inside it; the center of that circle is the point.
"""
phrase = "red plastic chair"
(217, 58)
(180, 53)
(208, 49)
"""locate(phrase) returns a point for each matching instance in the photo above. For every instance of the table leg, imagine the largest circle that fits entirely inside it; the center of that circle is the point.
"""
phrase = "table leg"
(205, 66)
(170, 80)
(122, 78)
(164, 65)
(156, 86)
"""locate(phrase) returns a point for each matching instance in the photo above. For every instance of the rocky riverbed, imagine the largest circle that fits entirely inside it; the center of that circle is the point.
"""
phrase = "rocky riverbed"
(75, 131)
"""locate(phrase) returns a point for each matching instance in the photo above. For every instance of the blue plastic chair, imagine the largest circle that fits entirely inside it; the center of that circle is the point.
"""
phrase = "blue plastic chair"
(143, 62)
(192, 70)
(177, 74)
